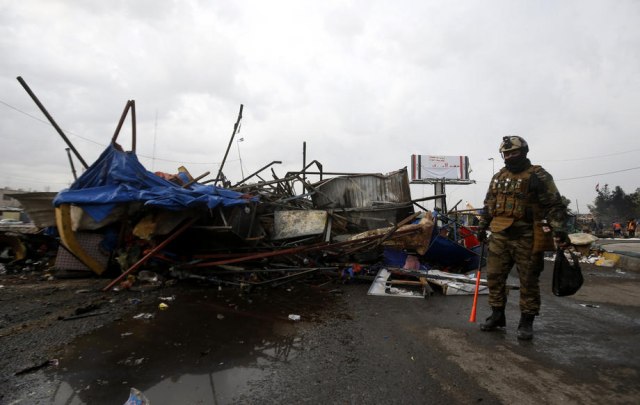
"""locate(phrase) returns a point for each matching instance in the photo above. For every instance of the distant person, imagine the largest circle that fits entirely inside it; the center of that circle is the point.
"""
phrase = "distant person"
(520, 196)
(631, 228)
(617, 229)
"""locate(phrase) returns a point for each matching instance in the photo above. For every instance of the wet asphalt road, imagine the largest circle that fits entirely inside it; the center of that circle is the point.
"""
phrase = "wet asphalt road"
(351, 348)
(401, 350)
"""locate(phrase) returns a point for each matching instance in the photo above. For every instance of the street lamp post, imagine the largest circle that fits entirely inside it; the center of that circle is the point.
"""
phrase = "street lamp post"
(493, 165)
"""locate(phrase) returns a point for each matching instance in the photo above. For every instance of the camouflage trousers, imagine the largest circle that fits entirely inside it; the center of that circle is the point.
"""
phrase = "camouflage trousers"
(509, 247)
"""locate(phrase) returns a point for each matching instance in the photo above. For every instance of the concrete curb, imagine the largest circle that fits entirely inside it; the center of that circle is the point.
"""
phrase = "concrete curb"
(629, 263)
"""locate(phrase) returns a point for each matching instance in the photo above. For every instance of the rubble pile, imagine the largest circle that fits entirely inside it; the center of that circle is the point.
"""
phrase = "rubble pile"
(118, 218)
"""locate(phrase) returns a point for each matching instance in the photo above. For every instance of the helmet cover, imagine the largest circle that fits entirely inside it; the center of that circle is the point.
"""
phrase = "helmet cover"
(513, 142)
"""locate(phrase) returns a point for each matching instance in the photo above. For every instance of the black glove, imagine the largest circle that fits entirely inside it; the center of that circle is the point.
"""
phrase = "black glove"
(561, 238)
(482, 235)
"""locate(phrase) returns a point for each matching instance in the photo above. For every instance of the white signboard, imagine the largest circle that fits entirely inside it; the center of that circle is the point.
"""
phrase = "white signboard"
(439, 167)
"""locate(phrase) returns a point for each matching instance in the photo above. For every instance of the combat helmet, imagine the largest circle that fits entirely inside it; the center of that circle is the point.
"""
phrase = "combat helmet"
(513, 142)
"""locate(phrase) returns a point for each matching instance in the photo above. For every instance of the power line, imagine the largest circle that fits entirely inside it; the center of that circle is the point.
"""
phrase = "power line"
(103, 144)
(600, 174)
(49, 124)
(591, 157)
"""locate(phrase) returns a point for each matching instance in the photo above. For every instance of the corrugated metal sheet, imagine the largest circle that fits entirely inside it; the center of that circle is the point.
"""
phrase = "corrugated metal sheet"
(363, 190)
(294, 224)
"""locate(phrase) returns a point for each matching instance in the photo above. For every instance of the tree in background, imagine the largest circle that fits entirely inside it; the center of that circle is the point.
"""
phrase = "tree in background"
(615, 205)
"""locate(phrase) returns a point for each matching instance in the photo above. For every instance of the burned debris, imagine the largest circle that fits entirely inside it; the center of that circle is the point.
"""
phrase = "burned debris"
(118, 218)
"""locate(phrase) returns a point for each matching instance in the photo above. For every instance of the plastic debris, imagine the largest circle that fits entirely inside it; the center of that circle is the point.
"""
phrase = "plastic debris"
(136, 397)
(605, 263)
(294, 317)
(143, 315)
(148, 276)
(163, 306)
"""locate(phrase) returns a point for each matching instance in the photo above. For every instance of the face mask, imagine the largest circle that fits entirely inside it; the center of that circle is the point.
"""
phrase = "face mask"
(517, 163)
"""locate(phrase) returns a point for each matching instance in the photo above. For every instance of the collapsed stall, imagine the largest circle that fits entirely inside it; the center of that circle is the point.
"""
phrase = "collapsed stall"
(118, 214)
(118, 218)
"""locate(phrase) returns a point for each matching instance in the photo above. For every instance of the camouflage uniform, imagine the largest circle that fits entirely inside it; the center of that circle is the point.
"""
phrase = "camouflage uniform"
(514, 205)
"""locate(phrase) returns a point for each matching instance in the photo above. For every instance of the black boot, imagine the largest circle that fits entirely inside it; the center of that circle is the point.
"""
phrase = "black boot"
(496, 320)
(525, 327)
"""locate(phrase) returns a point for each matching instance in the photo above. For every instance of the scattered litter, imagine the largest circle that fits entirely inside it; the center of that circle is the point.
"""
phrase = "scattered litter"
(148, 276)
(86, 309)
(605, 263)
(125, 334)
(72, 317)
(590, 305)
(294, 317)
(143, 315)
(620, 271)
(52, 362)
(136, 397)
(456, 284)
(220, 316)
(162, 306)
(380, 286)
(172, 298)
(130, 361)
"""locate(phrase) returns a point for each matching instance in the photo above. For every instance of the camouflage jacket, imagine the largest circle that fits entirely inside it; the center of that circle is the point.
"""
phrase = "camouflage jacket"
(541, 199)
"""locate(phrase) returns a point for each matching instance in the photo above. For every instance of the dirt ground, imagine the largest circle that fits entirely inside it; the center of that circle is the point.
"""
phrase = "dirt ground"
(349, 347)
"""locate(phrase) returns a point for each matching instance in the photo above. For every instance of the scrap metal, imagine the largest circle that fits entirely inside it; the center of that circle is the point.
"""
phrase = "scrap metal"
(275, 233)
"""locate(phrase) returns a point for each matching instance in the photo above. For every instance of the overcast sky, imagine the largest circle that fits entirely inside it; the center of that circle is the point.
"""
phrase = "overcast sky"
(365, 84)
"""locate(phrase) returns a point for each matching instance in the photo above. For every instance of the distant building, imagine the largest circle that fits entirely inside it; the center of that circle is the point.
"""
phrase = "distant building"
(6, 201)
(11, 208)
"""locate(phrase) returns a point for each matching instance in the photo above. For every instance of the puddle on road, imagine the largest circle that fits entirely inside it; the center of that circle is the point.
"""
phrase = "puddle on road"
(207, 347)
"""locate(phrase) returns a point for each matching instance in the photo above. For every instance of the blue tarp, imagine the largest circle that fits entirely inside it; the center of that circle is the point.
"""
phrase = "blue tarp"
(118, 177)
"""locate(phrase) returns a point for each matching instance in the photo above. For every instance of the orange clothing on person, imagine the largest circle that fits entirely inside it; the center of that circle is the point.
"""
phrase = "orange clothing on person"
(617, 229)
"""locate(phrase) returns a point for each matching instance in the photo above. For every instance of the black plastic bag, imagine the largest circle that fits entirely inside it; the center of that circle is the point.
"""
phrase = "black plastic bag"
(567, 276)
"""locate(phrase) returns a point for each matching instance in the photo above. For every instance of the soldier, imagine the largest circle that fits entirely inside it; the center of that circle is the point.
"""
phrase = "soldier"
(521, 209)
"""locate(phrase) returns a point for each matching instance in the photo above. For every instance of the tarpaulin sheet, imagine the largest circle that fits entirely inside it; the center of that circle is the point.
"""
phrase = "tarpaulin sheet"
(118, 177)
(448, 253)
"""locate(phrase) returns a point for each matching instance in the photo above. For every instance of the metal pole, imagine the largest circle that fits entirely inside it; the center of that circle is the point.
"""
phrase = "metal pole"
(304, 161)
(235, 128)
(240, 157)
(122, 118)
(73, 169)
(51, 120)
(133, 126)
(151, 253)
